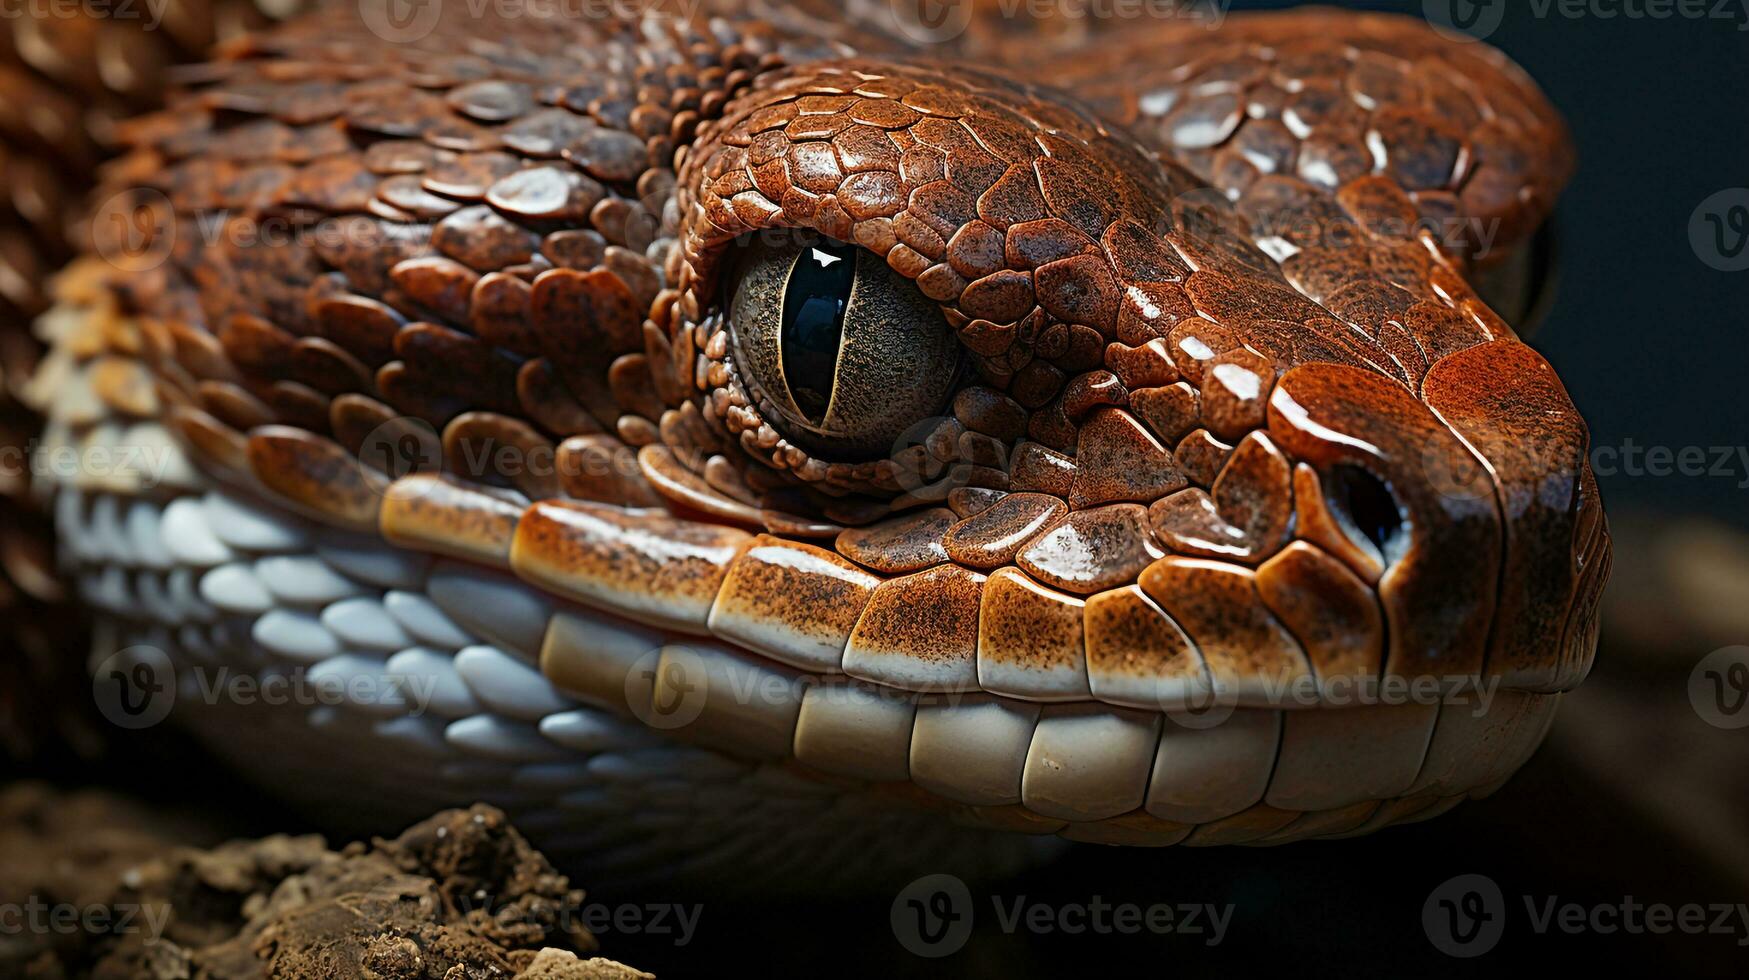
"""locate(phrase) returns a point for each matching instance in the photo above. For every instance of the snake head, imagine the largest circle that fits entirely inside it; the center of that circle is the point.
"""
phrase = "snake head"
(1271, 430)
(960, 440)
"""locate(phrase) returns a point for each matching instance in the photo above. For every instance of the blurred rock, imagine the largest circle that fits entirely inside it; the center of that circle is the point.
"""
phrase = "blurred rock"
(1679, 587)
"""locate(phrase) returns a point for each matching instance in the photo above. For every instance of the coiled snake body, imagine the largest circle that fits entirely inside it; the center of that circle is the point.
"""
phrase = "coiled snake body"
(740, 443)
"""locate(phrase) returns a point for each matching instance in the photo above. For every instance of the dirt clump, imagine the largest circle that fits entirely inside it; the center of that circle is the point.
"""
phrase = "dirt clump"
(103, 893)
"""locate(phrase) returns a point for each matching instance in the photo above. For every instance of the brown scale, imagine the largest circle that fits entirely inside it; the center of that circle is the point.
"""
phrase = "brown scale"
(1175, 297)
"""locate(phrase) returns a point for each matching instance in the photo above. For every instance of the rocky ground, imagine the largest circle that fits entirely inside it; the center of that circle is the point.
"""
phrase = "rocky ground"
(93, 886)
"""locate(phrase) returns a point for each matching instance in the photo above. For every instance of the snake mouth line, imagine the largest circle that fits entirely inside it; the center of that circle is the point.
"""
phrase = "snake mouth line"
(1082, 770)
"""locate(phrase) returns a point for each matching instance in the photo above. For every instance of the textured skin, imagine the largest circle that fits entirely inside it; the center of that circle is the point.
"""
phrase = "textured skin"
(1195, 304)
(65, 82)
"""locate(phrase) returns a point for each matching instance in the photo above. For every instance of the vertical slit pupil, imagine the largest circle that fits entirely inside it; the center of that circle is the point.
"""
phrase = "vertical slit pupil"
(813, 323)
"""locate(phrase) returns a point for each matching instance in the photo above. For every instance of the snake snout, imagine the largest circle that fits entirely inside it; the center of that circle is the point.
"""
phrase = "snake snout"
(1382, 484)
(1511, 411)
(1471, 510)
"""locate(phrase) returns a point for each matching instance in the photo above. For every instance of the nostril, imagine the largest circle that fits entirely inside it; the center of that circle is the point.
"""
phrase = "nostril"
(1368, 511)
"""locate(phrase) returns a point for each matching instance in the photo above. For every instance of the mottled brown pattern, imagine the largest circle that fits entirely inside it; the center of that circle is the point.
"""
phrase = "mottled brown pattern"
(1247, 651)
(450, 517)
(1136, 654)
(920, 632)
(793, 601)
(1024, 628)
(1327, 608)
(991, 537)
(588, 551)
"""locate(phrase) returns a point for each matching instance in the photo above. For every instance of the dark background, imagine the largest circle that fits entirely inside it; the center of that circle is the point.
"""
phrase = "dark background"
(1649, 339)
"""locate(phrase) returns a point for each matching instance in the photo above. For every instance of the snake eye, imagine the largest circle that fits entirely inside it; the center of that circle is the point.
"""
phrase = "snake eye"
(845, 352)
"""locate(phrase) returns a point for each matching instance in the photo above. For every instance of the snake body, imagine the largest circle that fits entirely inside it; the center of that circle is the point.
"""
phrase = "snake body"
(1245, 520)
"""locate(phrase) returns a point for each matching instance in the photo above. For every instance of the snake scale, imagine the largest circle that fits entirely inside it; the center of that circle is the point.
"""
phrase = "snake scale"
(745, 437)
